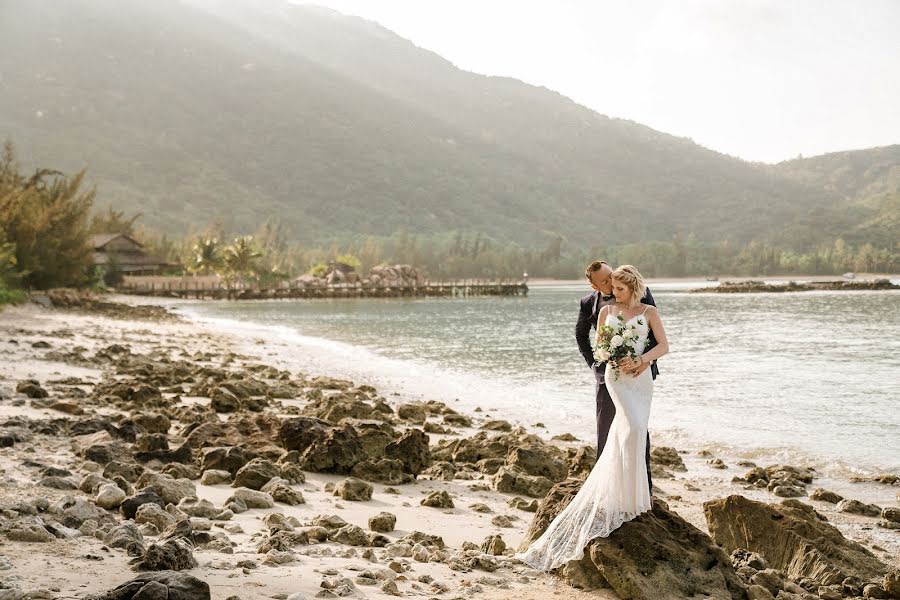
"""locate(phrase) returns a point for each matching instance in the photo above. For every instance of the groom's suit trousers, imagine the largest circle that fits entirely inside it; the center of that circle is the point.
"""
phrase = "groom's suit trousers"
(606, 412)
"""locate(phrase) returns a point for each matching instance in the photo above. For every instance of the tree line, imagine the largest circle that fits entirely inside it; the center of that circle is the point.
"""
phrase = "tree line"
(47, 218)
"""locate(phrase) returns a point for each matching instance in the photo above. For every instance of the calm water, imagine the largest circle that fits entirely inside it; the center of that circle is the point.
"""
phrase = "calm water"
(811, 377)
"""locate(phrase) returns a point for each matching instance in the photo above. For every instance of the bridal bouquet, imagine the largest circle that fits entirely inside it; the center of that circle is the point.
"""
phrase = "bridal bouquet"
(615, 342)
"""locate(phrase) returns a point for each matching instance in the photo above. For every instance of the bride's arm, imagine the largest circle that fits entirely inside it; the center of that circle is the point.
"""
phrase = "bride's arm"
(662, 343)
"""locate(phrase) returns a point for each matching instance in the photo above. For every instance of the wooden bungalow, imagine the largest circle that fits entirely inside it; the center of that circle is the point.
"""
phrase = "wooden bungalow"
(127, 253)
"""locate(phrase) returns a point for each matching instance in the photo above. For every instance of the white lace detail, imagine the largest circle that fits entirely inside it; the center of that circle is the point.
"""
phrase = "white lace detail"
(616, 489)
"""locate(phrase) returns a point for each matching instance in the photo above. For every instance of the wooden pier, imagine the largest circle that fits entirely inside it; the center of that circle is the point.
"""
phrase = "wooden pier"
(189, 287)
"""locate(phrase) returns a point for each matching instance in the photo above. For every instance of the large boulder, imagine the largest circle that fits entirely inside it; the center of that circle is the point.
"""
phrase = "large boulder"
(543, 461)
(230, 459)
(385, 470)
(512, 481)
(175, 586)
(354, 489)
(792, 537)
(171, 490)
(412, 449)
(656, 556)
(483, 445)
(336, 408)
(255, 474)
(337, 452)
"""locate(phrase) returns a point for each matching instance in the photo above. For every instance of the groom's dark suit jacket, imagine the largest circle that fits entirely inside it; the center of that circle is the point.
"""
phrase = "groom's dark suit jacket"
(587, 318)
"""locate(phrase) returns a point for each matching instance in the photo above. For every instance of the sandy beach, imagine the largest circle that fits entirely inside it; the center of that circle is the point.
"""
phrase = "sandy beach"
(71, 353)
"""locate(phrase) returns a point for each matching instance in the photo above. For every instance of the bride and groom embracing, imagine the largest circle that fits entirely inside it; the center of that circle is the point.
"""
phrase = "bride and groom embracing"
(618, 487)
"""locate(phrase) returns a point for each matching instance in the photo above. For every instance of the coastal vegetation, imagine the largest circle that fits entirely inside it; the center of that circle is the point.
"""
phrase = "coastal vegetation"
(43, 228)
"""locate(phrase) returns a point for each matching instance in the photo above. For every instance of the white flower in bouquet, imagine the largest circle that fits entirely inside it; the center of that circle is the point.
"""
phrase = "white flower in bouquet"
(630, 333)
(616, 341)
(603, 355)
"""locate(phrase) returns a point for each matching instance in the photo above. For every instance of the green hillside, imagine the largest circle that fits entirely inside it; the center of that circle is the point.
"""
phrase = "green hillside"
(337, 127)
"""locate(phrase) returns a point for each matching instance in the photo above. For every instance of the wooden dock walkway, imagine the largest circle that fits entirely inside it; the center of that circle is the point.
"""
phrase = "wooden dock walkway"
(188, 288)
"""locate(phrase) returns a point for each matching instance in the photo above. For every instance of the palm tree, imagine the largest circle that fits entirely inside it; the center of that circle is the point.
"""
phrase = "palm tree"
(206, 256)
(239, 257)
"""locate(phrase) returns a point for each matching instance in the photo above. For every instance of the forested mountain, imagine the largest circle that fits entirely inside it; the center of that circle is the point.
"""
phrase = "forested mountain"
(865, 185)
(241, 111)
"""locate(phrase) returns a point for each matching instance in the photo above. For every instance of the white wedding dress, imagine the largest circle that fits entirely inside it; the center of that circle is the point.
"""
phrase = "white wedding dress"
(616, 490)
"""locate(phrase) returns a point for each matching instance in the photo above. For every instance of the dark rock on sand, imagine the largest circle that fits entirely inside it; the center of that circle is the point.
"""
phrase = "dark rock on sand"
(129, 507)
(438, 500)
(667, 457)
(656, 556)
(229, 459)
(793, 538)
(859, 508)
(353, 489)
(255, 474)
(383, 522)
(823, 495)
(32, 389)
(386, 470)
(173, 552)
(544, 461)
(337, 452)
(509, 480)
(493, 544)
(165, 585)
(412, 449)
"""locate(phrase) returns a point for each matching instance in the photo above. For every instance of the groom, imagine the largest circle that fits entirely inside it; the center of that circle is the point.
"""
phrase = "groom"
(600, 275)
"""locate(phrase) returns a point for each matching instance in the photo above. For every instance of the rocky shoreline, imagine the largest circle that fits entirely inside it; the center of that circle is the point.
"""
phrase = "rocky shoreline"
(143, 456)
(754, 287)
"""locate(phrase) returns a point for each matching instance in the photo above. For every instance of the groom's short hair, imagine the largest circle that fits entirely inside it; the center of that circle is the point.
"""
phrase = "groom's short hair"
(593, 268)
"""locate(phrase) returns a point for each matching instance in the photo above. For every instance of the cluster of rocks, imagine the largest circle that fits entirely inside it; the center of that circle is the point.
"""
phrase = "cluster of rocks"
(788, 481)
(140, 452)
(790, 551)
(785, 481)
(396, 276)
(754, 551)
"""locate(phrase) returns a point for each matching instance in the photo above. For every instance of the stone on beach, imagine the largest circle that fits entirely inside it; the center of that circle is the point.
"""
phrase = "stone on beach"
(252, 498)
(543, 461)
(337, 452)
(439, 499)
(795, 539)
(171, 490)
(823, 495)
(859, 508)
(255, 474)
(163, 585)
(110, 496)
(667, 457)
(350, 535)
(510, 480)
(383, 522)
(31, 388)
(385, 470)
(215, 477)
(493, 544)
(656, 556)
(129, 506)
(229, 459)
(353, 489)
(412, 450)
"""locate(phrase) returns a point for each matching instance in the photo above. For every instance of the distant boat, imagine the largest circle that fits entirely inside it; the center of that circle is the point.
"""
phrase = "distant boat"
(712, 278)
(849, 275)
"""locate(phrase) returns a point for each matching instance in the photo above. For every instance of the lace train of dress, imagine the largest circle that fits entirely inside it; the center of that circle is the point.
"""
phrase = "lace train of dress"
(616, 489)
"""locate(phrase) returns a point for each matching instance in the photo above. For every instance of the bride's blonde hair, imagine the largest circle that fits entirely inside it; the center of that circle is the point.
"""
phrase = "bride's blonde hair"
(631, 277)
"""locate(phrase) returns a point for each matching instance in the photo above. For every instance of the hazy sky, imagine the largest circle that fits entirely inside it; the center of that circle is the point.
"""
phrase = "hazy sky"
(760, 79)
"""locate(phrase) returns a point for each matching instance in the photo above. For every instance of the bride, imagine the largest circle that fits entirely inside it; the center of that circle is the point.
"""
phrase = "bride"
(616, 490)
